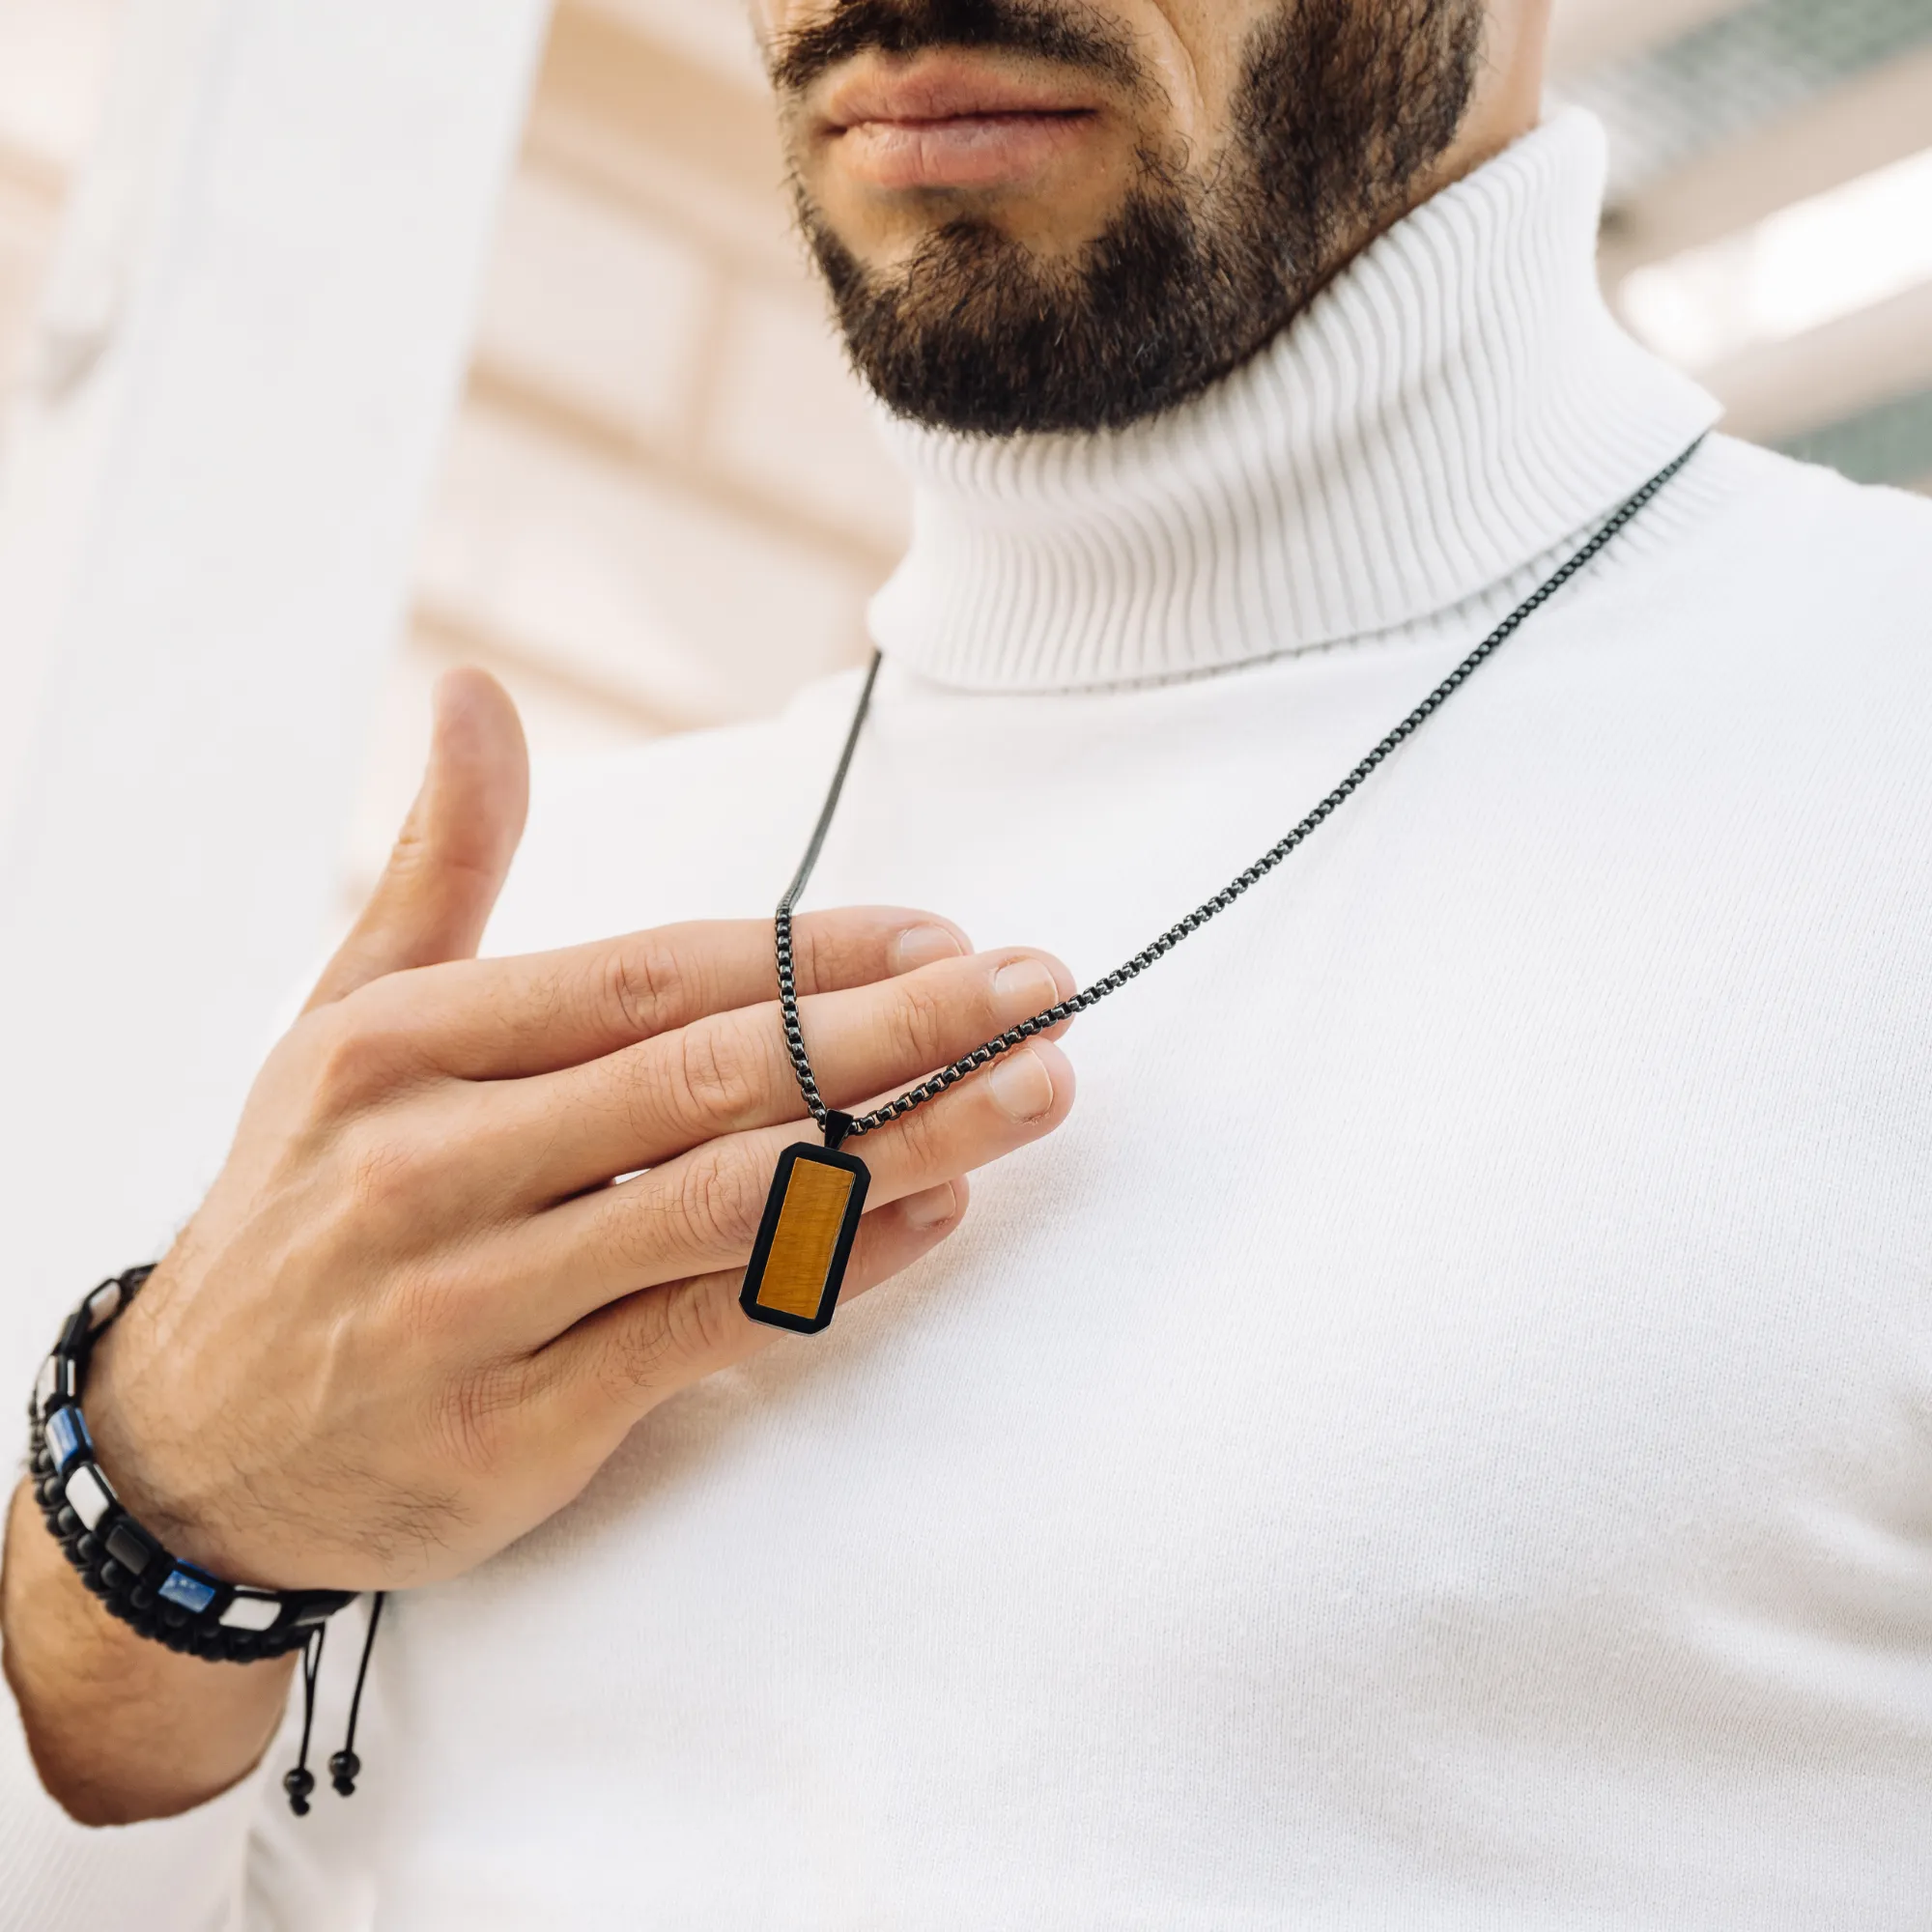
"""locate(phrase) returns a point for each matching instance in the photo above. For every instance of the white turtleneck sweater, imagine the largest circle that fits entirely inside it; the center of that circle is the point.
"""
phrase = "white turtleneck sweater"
(1444, 1437)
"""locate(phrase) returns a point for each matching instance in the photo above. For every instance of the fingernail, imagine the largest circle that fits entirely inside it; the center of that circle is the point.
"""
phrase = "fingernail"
(1022, 1087)
(930, 1209)
(920, 945)
(1024, 987)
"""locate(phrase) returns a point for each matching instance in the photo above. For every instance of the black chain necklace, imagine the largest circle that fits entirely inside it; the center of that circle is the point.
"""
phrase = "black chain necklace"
(817, 1195)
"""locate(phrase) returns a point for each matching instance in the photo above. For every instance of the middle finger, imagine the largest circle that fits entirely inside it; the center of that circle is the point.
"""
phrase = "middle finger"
(731, 1072)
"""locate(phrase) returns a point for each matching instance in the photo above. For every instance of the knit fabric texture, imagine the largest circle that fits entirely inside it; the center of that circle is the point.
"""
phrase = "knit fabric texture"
(1443, 1436)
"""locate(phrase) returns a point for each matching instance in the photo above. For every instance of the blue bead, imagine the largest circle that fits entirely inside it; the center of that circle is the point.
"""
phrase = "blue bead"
(186, 1592)
(67, 1432)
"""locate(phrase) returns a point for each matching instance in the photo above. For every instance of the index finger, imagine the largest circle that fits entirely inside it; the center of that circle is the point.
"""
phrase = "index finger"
(505, 1019)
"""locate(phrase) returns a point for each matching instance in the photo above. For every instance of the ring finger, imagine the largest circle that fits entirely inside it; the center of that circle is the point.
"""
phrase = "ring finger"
(648, 1346)
(701, 1211)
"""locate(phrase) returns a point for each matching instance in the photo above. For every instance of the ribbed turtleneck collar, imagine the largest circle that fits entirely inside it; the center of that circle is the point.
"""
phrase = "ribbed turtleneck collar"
(1453, 404)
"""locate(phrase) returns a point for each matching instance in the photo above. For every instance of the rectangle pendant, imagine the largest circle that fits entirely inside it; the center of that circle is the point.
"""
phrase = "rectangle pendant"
(805, 1240)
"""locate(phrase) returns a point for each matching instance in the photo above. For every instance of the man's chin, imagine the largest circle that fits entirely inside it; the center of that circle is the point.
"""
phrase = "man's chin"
(973, 263)
(977, 334)
(1056, 217)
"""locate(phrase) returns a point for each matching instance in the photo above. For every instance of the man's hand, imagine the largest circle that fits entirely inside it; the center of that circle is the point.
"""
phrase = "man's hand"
(420, 1308)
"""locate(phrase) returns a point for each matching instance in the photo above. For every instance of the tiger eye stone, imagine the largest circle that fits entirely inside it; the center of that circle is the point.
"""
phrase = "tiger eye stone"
(805, 1239)
(807, 1235)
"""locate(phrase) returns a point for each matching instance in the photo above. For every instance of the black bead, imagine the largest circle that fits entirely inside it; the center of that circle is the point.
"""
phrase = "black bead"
(345, 1768)
(51, 1494)
(88, 1545)
(130, 1549)
(173, 1617)
(298, 1784)
(112, 1575)
(67, 1524)
(141, 1597)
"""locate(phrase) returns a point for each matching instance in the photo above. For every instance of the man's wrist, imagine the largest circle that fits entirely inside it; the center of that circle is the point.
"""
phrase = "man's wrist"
(121, 1729)
(122, 1560)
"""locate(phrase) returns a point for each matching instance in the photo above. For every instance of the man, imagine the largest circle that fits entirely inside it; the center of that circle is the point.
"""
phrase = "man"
(1442, 1435)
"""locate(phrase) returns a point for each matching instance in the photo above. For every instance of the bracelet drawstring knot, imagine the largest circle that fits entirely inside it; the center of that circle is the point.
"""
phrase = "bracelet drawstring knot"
(344, 1767)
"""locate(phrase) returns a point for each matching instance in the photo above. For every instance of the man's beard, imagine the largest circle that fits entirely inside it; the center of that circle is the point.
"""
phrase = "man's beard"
(1343, 107)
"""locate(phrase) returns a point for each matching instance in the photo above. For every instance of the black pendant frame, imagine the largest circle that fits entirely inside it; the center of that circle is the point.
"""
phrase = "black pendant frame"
(842, 1252)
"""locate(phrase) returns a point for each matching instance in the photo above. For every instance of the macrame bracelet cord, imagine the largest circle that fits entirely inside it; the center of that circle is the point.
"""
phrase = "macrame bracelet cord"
(135, 1577)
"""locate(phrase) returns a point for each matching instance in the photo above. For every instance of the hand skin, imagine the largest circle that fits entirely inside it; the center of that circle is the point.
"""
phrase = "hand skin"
(413, 1316)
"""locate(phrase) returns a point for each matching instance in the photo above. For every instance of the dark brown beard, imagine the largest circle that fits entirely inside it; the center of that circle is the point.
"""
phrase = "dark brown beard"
(1343, 107)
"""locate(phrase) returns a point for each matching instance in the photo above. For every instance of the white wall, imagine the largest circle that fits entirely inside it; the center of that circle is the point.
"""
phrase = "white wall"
(207, 514)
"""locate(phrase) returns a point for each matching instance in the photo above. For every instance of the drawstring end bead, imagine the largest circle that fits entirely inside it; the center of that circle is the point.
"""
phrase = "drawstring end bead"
(345, 1767)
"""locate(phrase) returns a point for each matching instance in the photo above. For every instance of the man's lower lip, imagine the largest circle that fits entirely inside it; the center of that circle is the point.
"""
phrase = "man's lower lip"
(968, 151)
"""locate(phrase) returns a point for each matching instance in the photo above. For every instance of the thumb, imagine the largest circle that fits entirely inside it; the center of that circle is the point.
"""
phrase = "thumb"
(450, 863)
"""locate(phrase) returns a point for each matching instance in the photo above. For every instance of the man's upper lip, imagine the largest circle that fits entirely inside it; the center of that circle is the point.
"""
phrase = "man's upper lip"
(943, 87)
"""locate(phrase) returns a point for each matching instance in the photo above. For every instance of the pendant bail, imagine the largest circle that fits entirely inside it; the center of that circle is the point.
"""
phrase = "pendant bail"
(837, 1127)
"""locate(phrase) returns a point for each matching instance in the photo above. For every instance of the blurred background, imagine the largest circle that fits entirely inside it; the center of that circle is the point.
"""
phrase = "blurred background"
(660, 503)
(342, 343)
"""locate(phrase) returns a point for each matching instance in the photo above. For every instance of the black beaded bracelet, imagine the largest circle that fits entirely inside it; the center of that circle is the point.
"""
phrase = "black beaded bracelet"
(128, 1568)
